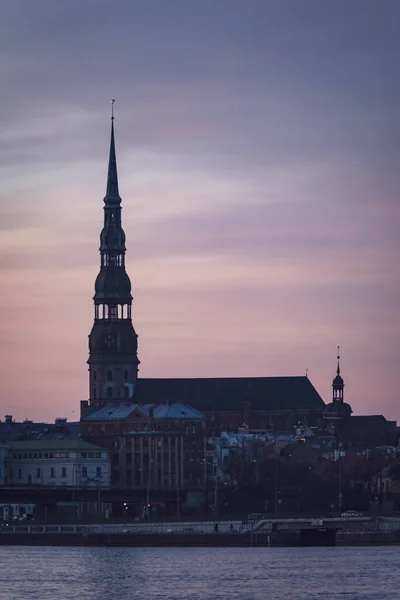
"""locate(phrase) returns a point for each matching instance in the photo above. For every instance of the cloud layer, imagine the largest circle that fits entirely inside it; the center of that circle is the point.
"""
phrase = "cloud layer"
(258, 154)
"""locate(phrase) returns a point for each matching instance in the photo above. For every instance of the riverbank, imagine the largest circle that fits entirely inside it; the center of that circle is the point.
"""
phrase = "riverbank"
(190, 540)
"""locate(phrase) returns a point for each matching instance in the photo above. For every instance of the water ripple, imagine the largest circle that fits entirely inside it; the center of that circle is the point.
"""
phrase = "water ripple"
(30, 573)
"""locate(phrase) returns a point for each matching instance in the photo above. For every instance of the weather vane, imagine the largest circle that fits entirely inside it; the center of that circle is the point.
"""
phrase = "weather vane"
(112, 107)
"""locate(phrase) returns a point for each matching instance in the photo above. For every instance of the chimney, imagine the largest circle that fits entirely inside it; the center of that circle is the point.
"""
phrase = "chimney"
(8, 419)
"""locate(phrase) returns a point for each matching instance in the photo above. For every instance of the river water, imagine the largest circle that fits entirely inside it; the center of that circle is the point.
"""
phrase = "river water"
(34, 573)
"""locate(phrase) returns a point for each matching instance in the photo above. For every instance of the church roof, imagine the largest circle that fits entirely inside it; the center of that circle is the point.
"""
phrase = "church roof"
(230, 393)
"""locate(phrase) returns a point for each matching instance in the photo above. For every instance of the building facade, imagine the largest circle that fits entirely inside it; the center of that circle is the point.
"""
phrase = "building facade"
(55, 462)
(152, 446)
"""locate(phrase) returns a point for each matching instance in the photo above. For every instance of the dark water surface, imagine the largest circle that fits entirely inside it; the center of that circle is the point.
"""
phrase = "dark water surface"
(30, 573)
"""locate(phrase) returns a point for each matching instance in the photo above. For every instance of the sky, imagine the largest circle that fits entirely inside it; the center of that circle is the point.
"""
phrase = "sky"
(258, 156)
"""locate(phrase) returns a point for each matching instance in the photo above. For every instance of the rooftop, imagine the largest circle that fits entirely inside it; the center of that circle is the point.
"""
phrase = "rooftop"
(29, 430)
(230, 393)
(55, 445)
(113, 412)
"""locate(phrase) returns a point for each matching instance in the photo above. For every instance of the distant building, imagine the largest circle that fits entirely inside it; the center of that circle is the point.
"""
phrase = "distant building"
(156, 446)
(55, 462)
(11, 430)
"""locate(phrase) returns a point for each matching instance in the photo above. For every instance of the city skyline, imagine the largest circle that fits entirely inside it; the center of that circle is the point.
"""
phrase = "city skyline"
(257, 149)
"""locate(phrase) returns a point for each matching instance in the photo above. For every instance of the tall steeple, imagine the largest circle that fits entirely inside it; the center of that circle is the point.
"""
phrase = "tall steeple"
(113, 362)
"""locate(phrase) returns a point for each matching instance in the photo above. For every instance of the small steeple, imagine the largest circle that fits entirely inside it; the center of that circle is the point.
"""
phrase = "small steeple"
(112, 193)
(338, 383)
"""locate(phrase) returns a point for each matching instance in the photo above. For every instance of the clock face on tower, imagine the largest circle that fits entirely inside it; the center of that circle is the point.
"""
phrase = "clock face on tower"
(110, 340)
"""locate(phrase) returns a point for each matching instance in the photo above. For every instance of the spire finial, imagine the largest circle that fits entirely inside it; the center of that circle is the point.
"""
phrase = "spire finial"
(112, 108)
(307, 373)
(338, 358)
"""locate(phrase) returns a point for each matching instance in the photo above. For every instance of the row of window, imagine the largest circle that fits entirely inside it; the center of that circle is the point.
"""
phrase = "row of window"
(110, 393)
(110, 375)
(52, 472)
(137, 479)
(32, 455)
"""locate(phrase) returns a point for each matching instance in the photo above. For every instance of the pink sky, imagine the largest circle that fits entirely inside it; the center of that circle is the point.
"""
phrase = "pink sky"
(258, 158)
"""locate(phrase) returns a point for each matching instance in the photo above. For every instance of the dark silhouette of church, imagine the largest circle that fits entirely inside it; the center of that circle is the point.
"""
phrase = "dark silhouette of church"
(259, 403)
(277, 403)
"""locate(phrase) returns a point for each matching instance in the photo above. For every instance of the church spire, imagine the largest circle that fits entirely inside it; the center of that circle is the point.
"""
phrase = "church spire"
(112, 193)
(113, 361)
(338, 358)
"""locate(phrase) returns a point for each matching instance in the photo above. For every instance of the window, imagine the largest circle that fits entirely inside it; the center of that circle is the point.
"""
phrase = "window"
(94, 393)
(126, 393)
(98, 471)
(52, 474)
(38, 472)
(126, 375)
(63, 471)
(102, 428)
(90, 454)
(109, 376)
(94, 375)
(19, 473)
(83, 454)
(84, 471)
(11, 473)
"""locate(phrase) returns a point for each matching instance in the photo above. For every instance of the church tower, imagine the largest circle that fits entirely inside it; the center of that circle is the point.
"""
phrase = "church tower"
(113, 362)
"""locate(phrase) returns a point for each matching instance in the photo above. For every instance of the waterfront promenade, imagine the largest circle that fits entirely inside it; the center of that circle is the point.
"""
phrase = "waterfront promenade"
(273, 532)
